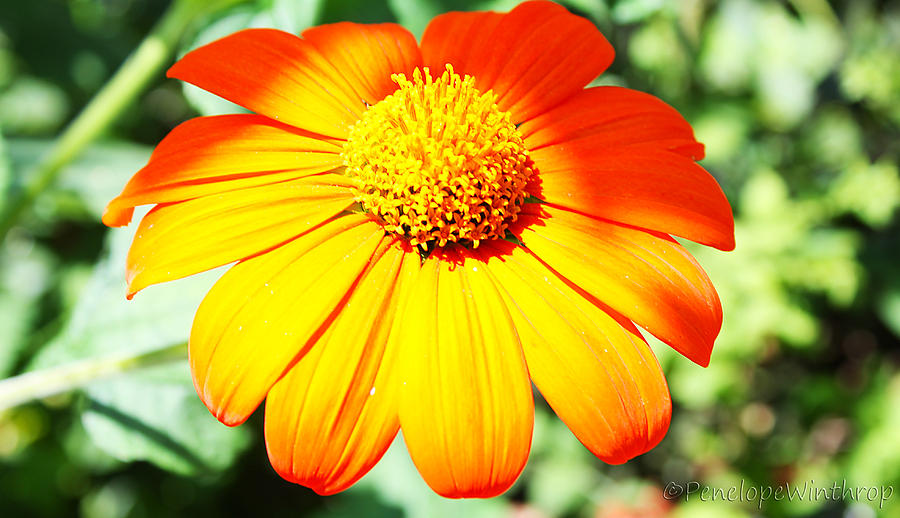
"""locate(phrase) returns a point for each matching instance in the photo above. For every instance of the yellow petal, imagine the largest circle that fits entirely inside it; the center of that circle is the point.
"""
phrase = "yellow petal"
(466, 408)
(591, 365)
(264, 314)
(331, 418)
(181, 239)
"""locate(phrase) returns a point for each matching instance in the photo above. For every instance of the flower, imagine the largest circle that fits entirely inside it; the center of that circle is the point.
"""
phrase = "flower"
(421, 229)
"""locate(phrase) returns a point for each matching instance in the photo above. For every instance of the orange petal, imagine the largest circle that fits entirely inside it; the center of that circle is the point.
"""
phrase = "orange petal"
(611, 117)
(466, 407)
(284, 77)
(181, 239)
(459, 38)
(265, 313)
(647, 277)
(623, 155)
(334, 414)
(642, 186)
(211, 155)
(593, 367)
(534, 57)
(367, 55)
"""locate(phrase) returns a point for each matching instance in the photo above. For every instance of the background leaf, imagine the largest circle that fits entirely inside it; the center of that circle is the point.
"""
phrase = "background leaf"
(90, 181)
(103, 322)
(152, 414)
(155, 415)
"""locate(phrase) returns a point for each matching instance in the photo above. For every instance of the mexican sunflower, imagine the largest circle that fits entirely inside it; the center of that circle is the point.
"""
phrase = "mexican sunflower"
(421, 230)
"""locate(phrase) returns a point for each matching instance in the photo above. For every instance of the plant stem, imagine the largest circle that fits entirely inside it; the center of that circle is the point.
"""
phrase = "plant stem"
(129, 81)
(64, 378)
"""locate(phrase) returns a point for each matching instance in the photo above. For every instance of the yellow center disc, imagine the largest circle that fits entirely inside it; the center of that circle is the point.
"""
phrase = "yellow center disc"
(437, 161)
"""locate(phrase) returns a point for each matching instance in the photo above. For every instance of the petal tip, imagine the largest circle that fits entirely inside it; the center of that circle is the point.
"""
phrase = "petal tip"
(473, 492)
(231, 420)
(114, 215)
(729, 244)
(133, 282)
(700, 357)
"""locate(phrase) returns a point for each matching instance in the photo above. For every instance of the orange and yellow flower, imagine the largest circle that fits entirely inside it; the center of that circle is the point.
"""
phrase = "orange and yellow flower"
(419, 231)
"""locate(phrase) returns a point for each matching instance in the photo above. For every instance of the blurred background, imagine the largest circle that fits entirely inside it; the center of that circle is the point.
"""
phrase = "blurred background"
(798, 103)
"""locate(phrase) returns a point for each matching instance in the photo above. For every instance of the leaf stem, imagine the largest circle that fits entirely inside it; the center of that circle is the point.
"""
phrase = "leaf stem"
(64, 378)
(129, 81)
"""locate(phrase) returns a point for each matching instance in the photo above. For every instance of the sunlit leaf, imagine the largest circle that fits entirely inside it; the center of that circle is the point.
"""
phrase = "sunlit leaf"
(25, 275)
(31, 106)
(104, 322)
(94, 178)
(631, 11)
(415, 14)
(154, 414)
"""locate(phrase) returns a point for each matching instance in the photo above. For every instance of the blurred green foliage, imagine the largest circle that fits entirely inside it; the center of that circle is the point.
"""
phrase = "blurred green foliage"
(798, 103)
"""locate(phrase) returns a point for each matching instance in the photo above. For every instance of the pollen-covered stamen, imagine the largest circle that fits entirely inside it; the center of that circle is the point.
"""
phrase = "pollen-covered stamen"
(438, 161)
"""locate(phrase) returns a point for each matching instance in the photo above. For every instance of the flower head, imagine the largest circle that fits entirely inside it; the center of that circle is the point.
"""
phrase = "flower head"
(438, 161)
(419, 231)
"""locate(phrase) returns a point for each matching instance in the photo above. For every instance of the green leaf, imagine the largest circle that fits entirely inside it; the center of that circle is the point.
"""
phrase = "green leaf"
(291, 15)
(151, 414)
(25, 268)
(889, 309)
(560, 474)
(25, 274)
(876, 454)
(596, 9)
(633, 11)
(871, 191)
(6, 174)
(94, 178)
(415, 14)
(155, 415)
(103, 322)
(32, 106)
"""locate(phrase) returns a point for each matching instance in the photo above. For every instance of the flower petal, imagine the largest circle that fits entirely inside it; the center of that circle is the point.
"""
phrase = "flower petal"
(181, 239)
(622, 155)
(334, 414)
(613, 116)
(367, 55)
(591, 365)
(284, 77)
(266, 312)
(647, 277)
(466, 408)
(211, 155)
(459, 38)
(533, 57)
(642, 186)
